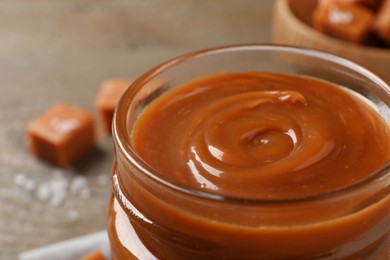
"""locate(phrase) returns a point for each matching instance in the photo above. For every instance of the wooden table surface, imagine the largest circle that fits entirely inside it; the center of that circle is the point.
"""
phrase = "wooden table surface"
(60, 51)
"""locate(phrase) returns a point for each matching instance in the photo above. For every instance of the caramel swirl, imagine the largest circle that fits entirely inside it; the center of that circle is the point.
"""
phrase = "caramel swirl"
(262, 136)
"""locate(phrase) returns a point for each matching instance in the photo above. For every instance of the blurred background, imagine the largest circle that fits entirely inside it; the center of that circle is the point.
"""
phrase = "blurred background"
(61, 51)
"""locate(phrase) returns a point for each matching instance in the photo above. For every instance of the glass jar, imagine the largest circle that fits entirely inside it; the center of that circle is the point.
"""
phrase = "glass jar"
(154, 218)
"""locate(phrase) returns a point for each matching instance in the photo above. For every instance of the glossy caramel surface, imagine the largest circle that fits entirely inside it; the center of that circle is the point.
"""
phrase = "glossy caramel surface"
(259, 138)
(260, 135)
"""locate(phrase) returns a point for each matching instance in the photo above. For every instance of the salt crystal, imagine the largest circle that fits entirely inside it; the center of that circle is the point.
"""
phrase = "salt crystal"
(59, 189)
(60, 184)
(64, 126)
(30, 185)
(57, 200)
(43, 192)
(73, 215)
(79, 185)
(85, 193)
(56, 190)
(337, 16)
(20, 179)
(27, 183)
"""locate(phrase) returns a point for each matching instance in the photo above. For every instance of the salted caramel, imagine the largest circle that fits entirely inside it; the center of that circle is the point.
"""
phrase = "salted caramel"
(359, 21)
(259, 159)
(106, 100)
(343, 21)
(61, 135)
(261, 136)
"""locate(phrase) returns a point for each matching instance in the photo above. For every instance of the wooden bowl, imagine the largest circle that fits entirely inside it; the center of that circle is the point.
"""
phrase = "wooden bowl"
(291, 26)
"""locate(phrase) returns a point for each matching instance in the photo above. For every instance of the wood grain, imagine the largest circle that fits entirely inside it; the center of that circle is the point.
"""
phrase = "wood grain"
(53, 51)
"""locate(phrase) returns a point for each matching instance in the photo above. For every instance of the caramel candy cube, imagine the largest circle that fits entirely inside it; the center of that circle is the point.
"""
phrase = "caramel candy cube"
(96, 255)
(382, 22)
(346, 22)
(110, 93)
(61, 135)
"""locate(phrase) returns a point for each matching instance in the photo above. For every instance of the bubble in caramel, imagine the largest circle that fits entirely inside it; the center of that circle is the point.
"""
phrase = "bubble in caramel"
(259, 135)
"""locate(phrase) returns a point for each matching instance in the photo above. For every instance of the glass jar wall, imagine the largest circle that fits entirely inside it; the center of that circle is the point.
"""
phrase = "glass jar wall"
(154, 217)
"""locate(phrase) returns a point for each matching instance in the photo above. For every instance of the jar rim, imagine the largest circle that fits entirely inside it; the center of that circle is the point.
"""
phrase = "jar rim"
(123, 141)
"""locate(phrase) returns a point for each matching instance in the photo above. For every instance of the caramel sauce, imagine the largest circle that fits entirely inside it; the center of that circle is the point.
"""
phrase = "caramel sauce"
(262, 136)
(254, 137)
